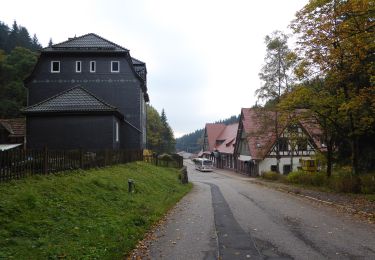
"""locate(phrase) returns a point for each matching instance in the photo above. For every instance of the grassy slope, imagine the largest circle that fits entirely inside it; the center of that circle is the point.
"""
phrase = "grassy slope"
(86, 214)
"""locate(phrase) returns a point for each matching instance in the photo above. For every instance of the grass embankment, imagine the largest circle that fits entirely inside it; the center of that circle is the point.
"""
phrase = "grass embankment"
(85, 214)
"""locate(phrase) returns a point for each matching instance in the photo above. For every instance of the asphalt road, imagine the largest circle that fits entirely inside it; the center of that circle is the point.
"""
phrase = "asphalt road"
(226, 216)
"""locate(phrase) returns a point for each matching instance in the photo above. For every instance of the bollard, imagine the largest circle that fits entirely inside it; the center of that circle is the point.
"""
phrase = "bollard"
(131, 185)
(184, 175)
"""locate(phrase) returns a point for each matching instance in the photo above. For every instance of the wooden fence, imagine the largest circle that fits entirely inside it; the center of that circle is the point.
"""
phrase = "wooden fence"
(175, 161)
(16, 164)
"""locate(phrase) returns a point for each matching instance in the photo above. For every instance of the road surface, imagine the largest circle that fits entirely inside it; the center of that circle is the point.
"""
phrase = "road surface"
(226, 216)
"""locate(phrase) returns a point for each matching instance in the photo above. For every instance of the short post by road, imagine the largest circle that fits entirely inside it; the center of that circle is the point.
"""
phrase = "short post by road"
(131, 185)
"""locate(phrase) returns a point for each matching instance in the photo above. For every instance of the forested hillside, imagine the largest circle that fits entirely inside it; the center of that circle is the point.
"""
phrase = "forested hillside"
(17, 58)
(193, 142)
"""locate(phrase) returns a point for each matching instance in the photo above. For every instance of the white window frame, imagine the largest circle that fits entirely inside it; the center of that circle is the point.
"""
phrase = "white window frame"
(55, 71)
(92, 70)
(117, 134)
(115, 71)
(80, 66)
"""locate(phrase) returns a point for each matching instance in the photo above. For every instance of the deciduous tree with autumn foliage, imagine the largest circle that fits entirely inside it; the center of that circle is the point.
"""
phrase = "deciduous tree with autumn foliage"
(337, 45)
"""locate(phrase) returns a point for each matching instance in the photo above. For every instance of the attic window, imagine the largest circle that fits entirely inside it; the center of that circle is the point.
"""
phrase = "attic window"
(92, 66)
(115, 66)
(55, 66)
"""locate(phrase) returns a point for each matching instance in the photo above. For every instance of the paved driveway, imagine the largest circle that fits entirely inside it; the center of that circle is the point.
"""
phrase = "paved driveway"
(226, 216)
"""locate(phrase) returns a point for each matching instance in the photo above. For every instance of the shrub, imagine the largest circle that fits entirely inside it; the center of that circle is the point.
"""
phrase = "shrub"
(307, 178)
(165, 157)
(368, 183)
(344, 181)
(273, 176)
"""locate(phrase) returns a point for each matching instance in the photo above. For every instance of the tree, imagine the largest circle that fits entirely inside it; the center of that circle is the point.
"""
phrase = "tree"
(14, 68)
(159, 134)
(50, 43)
(336, 41)
(168, 141)
(322, 106)
(4, 32)
(154, 127)
(276, 75)
(35, 44)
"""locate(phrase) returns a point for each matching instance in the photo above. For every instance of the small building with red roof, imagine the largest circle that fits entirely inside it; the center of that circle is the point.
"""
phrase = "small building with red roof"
(12, 133)
(264, 143)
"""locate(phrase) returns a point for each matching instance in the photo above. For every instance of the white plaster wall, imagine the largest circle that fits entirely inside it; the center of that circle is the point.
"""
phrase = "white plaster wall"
(265, 165)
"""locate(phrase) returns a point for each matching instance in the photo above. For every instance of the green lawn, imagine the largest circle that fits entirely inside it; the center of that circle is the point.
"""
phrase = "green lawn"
(84, 214)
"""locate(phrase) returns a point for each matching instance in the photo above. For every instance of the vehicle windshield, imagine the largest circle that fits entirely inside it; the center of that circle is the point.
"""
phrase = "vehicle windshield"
(207, 163)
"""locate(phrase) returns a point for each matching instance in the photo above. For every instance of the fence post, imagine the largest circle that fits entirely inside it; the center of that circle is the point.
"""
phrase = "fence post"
(45, 160)
(105, 157)
(80, 158)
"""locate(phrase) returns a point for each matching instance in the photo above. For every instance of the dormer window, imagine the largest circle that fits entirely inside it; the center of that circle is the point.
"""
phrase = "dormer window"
(55, 66)
(115, 66)
(78, 66)
(92, 66)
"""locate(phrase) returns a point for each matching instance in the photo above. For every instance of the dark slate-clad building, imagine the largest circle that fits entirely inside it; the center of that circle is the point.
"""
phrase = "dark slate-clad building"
(87, 92)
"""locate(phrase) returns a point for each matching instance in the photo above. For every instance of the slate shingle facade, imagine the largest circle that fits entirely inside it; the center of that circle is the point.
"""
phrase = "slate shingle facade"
(121, 94)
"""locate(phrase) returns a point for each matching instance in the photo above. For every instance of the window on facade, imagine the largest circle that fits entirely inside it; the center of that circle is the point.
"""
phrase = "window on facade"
(283, 144)
(287, 169)
(117, 132)
(273, 168)
(115, 66)
(55, 66)
(78, 66)
(92, 66)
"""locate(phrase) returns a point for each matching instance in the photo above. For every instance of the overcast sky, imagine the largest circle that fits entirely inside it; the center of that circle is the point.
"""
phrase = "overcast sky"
(203, 56)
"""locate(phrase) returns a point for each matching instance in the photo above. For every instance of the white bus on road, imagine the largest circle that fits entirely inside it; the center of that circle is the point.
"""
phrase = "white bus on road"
(203, 164)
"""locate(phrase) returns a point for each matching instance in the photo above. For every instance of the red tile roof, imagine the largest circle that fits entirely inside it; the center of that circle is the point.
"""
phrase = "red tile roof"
(15, 126)
(213, 131)
(259, 126)
(228, 134)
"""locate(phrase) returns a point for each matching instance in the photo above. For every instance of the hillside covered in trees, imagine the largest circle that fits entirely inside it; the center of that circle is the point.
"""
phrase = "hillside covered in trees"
(193, 142)
(17, 58)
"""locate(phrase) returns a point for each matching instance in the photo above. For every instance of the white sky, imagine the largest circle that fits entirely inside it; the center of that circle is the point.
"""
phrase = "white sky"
(203, 56)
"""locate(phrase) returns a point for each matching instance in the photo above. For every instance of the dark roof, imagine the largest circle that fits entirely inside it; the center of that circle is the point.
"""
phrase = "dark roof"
(88, 42)
(137, 62)
(140, 68)
(76, 99)
(15, 126)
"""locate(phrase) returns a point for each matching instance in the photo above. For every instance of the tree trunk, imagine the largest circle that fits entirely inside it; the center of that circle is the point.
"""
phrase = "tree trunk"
(329, 158)
(277, 143)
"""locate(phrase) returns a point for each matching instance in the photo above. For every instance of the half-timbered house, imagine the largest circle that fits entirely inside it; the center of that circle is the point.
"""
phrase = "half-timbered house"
(261, 147)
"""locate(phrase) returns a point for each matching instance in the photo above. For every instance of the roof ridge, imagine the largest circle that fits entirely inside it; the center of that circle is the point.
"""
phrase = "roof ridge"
(57, 45)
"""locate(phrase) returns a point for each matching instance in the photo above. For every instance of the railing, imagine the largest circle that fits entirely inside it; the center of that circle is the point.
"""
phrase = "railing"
(17, 164)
